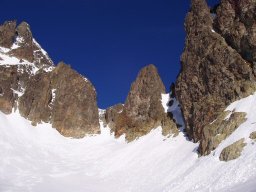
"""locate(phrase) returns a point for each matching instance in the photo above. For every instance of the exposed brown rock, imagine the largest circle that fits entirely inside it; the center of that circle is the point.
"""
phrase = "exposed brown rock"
(213, 74)
(34, 103)
(7, 80)
(41, 92)
(232, 151)
(7, 34)
(236, 22)
(112, 114)
(169, 126)
(143, 110)
(25, 50)
(28, 49)
(21, 43)
(217, 131)
(64, 98)
(253, 135)
(74, 110)
(12, 81)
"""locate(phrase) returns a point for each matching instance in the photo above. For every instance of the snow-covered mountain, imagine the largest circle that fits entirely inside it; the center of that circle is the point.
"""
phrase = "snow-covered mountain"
(199, 137)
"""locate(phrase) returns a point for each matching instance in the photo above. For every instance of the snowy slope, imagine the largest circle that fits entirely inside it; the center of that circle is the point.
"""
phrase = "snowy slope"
(39, 159)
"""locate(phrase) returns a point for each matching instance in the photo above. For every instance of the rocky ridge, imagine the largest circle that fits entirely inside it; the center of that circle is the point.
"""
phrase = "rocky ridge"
(215, 72)
(40, 91)
(143, 109)
(217, 68)
(59, 95)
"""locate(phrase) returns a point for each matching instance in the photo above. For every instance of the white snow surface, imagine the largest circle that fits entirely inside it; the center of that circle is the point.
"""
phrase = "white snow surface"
(39, 159)
(174, 109)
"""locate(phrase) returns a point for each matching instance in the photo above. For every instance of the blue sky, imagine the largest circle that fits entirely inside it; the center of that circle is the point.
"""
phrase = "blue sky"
(108, 41)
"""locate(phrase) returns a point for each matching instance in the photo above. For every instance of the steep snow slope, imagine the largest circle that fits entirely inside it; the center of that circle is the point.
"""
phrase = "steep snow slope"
(39, 159)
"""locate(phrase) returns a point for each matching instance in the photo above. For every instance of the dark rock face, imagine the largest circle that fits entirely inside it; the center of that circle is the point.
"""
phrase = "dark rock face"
(236, 22)
(74, 107)
(8, 78)
(112, 114)
(22, 44)
(143, 110)
(213, 74)
(12, 82)
(63, 98)
(7, 34)
(42, 92)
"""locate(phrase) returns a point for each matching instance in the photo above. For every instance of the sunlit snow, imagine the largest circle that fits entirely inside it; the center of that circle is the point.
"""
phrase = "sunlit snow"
(39, 159)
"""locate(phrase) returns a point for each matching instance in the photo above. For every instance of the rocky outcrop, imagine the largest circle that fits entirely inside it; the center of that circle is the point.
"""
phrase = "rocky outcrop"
(73, 103)
(143, 110)
(253, 135)
(236, 22)
(7, 34)
(233, 151)
(8, 79)
(219, 130)
(111, 116)
(12, 82)
(20, 41)
(213, 73)
(41, 91)
(63, 98)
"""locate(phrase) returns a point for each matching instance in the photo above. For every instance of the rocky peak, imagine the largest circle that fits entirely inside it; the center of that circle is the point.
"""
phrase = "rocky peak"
(236, 22)
(143, 109)
(213, 74)
(24, 32)
(147, 87)
(7, 34)
(19, 42)
(40, 91)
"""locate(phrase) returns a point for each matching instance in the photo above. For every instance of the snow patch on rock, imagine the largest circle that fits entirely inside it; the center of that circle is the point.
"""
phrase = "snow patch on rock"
(174, 109)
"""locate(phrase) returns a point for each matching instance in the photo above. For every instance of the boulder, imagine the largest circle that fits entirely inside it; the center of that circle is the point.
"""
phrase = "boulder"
(232, 151)
(219, 130)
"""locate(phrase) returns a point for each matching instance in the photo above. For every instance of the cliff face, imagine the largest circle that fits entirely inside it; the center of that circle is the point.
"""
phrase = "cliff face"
(42, 92)
(143, 109)
(215, 68)
(235, 21)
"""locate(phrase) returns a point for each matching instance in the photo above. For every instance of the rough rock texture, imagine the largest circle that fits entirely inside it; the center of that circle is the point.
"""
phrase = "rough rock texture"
(58, 95)
(7, 34)
(236, 22)
(8, 79)
(63, 98)
(219, 130)
(213, 73)
(112, 114)
(74, 107)
(12, 82)
(253, 135)
(22, 44)
(232, 151)
(143, 110)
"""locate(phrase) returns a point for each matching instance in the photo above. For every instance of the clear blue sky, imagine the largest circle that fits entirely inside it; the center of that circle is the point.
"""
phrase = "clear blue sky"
(108, 41)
